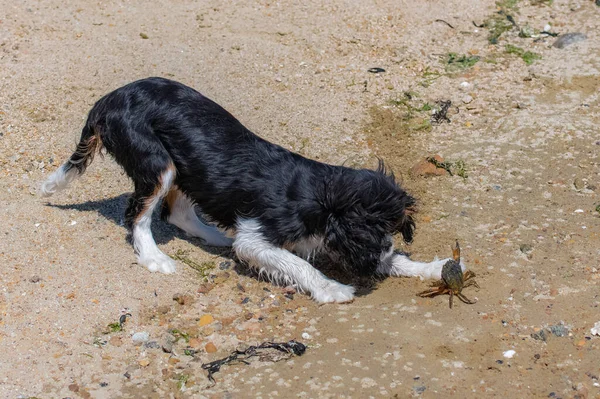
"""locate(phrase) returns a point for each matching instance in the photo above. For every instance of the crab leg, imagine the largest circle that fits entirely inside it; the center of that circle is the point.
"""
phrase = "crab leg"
(465, 299)
(432, 292)
(470, 283)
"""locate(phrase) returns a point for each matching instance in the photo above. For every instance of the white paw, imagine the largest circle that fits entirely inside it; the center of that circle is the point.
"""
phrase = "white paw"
(333, 291)
(158, 263)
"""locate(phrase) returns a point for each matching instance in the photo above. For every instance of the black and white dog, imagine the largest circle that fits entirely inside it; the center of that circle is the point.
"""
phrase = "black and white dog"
(280, 208)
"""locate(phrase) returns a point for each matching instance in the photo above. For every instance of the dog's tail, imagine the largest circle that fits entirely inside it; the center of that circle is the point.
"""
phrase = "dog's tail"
(89, 144)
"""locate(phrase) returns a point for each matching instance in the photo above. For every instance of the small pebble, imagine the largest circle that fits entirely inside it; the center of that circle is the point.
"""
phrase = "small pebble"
(509, 354)
(140, 337)
(596, 329)
(152, 345)
(167, 346)
(540, 336)
(144, 362)
(205, 320)
(163, 309)
(210, 348)
(467, 99)
(35, 279)
(225, 265)
(205, 288)
(179, 298)
(569, 38)
(559, 330)
(419, 389)
(306, 335)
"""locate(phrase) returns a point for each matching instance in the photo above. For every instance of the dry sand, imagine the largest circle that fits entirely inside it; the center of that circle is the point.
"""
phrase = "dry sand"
(296, 73)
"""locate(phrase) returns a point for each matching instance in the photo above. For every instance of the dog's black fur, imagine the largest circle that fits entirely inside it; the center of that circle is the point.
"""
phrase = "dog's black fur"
(152, 124)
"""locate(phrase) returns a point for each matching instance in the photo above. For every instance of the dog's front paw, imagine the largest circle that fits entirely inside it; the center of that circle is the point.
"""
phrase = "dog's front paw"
(333, 291)
(159, 263)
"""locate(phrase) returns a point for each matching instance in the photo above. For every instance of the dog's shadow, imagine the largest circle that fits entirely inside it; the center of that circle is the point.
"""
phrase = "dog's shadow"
(113, 209)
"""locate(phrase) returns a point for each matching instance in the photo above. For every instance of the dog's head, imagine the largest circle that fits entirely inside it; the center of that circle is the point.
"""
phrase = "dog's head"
(365, 208)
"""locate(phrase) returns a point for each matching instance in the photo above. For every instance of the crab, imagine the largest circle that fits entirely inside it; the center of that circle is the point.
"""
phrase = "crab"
(453, 280)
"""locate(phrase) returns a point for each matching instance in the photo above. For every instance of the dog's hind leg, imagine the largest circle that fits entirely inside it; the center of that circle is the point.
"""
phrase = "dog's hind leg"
(178, 209)
(138, 217)
(401, 265)
(281, 265)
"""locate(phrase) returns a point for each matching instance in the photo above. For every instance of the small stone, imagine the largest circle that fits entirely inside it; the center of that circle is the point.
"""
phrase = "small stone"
(596, 329)
(579, 183)
(103, 384)
(115, 341)
(306, 335)
(35, 279)
(144, 362)
(248, 316)
(425, 168)
(210, 348)
(467, 99)
(205, 288)
(205, 320)
(526, 248)
(580, 343)
(559, 330)
(225, 265)
(179, 298)
(173, 361)
(164, 309)
(74, 388)
(569, 38)
(509, 354)
(540, 336)
(168, 341)
(221, 278)
(195, 343)
(143, 35)
(182, 299)
(419, 389)
(289, 290)
(152, 345)
(140, 337)
(240, 287)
